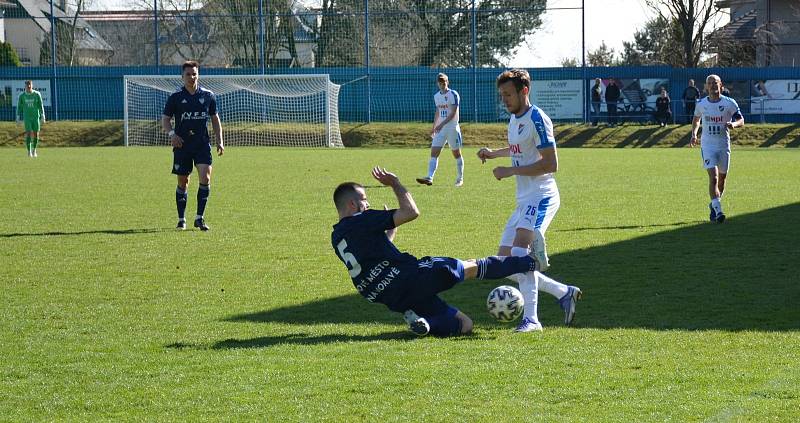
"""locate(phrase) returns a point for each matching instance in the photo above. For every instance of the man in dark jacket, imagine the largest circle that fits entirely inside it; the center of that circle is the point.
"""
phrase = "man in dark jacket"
(612, 97)
(663, 114)
(690, 96)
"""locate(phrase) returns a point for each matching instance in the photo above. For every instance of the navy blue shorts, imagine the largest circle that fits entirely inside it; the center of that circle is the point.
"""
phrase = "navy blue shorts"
(185, 158)
(435, 275)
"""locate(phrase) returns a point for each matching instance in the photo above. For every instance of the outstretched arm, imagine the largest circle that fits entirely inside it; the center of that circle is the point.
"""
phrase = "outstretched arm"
(695, 126)
(487, 153)
(408, 210)
(547, 164)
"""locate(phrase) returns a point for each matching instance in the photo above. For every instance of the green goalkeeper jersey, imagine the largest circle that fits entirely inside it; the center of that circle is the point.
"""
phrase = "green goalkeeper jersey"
(30, 107)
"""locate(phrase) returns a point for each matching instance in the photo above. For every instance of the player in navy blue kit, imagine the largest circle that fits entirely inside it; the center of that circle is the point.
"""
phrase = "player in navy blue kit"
(192, 106)
(405, 284)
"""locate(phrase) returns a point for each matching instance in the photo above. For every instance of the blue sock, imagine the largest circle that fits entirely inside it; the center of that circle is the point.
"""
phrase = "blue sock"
(494, 267)
(202, 198)
(180, 201)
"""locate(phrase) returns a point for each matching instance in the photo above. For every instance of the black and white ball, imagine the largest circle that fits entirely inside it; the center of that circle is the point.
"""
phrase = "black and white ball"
(505, 303)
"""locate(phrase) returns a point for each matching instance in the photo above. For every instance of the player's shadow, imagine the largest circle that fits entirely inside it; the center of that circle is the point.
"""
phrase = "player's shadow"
(740, 275)
(351, 308)
(306, 339)
(78, 233)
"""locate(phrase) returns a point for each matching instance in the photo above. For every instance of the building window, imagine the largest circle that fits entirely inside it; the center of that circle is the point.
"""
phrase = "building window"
(22, 52)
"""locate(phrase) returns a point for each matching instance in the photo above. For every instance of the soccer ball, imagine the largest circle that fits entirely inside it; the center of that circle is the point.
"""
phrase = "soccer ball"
(505, 303)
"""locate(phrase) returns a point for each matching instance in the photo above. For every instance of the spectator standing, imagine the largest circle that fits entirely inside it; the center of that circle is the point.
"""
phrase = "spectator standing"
(690, 96)
(612, 97)
(597, 99)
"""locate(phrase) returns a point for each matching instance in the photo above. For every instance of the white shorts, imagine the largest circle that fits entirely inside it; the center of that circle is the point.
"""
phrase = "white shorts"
(719, 157)
(534, 213)
(450, 134)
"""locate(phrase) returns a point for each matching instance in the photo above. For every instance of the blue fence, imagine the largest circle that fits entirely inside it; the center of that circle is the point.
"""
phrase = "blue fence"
(393, 94)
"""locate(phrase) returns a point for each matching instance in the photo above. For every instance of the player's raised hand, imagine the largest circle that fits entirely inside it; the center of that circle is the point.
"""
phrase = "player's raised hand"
(385, 177)
(483, 154)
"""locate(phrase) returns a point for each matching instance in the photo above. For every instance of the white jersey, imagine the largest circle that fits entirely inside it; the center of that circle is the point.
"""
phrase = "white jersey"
(714, 116)
(443, 104)
(527, 135)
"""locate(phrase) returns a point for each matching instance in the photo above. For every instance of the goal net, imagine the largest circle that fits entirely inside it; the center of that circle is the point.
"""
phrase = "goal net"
(255, 110)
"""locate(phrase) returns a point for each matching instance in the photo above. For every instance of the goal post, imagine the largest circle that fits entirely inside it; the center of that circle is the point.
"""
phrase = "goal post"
(255, 110)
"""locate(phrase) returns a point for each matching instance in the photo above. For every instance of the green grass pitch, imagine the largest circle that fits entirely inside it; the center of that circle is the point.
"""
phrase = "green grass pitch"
(108, 313)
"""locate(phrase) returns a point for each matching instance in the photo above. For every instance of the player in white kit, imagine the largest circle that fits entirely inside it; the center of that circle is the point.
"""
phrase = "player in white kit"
(445, 130)
(717, 114)
(532, 148)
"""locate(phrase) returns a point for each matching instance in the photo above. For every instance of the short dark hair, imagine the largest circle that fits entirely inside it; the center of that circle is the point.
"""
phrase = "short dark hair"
(28, 82)
(189, 64)
(442, 78)
(345, 192)
(519, 77)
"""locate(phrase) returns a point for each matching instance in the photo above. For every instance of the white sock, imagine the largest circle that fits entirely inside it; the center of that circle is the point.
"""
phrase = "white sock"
(550, 285)
(716, 205)
(538, 241)
(198, 216)
(527, 286)
(460, 168)
(519, 251)
(432, 165)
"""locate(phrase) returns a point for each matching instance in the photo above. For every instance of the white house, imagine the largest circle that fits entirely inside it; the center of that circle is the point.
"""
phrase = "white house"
(27, 25)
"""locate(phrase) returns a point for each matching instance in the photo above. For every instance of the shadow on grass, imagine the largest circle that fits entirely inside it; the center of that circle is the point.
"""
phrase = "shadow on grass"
(306, 339)
(623, 227)
(741, 275)
(780, 135)
(99, 231)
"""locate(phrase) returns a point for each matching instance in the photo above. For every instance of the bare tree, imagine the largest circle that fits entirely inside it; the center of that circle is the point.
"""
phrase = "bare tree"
(693, 18)
(188, 32)
(69, 31)
(425, 32)
(185, 31)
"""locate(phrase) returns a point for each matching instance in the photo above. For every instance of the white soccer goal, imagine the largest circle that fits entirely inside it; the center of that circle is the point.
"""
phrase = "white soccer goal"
(264, 110)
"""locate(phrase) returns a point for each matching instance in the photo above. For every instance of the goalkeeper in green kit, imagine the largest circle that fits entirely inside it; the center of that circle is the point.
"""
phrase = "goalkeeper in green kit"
(30, 109)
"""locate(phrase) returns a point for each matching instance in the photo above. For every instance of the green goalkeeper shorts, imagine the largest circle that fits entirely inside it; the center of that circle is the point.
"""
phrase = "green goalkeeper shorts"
(32, 125)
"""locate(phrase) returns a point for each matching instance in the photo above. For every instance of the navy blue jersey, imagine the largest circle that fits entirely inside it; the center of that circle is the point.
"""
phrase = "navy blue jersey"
(376, 266)
(191, 113)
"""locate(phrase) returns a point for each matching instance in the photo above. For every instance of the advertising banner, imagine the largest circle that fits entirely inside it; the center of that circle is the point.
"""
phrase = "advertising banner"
(10, 90)
(559, 99)
(776, 96)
